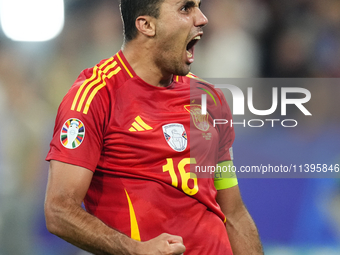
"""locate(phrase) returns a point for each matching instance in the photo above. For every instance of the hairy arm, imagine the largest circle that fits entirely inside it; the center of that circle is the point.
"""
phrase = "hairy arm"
(66, 189)
(242, 232)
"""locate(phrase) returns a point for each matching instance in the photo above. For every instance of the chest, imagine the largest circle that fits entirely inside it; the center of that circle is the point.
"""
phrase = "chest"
(149, 126)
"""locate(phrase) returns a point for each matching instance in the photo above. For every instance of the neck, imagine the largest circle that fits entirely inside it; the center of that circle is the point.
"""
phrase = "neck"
(140, 58)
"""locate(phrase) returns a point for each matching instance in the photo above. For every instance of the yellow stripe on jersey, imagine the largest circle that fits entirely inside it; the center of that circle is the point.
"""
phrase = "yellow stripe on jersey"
(121, 61)
(94, 92)
(87, 81)
(101, 77)
(133, 220)
(142, 123)
(109, 67)
(92, 82)
(95, 82)
(82, 86)
(106, 62)
(191, 75)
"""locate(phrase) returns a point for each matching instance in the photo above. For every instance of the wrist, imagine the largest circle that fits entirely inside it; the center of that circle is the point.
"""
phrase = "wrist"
(130, 246)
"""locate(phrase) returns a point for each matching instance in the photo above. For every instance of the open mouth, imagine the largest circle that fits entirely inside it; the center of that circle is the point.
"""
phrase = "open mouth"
(191, 46)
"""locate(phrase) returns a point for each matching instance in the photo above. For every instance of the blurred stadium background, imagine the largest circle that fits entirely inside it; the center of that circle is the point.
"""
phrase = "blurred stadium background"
(244, 39)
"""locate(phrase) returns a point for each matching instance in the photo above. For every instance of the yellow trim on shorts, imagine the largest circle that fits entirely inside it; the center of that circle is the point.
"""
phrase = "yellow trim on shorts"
(225, 179)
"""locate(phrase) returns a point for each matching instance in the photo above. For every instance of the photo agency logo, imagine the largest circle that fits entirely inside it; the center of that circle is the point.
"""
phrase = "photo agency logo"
(239, 101)
(204, 97)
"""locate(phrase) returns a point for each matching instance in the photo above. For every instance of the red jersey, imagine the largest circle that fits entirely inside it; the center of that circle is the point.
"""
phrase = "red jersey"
(143, 142)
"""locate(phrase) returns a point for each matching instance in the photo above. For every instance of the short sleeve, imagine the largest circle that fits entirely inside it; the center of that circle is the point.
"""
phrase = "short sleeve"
(80, 122)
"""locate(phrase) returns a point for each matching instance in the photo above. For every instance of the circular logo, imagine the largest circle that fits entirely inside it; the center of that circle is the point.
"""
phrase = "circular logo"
(72, 133)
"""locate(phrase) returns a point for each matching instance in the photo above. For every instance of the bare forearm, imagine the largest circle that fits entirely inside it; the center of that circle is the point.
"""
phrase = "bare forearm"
(78, 227)
(66, 188)
(243, 234)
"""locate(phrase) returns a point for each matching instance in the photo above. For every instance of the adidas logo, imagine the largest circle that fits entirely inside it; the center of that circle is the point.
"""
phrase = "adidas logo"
(139, 125)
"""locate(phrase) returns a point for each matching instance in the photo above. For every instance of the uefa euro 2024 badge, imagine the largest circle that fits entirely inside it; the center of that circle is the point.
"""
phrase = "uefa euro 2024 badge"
(176, 136)
(72, 133)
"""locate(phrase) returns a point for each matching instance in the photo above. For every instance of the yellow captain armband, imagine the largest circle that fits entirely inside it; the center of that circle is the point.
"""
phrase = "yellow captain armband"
(224, 176)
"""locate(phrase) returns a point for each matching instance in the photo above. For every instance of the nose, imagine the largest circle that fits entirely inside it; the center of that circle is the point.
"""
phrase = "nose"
(201, 19)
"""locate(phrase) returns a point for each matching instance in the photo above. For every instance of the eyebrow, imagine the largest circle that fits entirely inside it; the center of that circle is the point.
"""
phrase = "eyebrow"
(191, 3)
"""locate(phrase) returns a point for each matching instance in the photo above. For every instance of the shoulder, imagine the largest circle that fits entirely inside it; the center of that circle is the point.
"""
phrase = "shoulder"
(94, 85)
(196, 82)
(216, 101)
(98, 74)
(194, 79)
(190, 77)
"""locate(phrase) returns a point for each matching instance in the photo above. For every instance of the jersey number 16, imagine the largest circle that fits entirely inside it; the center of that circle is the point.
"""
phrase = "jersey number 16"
(185, 177)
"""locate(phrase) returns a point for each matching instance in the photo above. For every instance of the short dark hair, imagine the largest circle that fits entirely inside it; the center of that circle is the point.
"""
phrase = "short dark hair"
(132, 9)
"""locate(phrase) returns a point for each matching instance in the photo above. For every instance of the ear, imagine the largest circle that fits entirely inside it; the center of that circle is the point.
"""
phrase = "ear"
(146, 25)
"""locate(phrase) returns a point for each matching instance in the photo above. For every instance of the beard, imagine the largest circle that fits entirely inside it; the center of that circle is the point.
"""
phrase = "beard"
(169, 53)
(172, 63)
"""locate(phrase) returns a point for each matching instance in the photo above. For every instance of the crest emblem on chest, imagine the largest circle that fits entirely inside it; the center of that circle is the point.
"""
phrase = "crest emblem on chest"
(200, 121)
(176, 136)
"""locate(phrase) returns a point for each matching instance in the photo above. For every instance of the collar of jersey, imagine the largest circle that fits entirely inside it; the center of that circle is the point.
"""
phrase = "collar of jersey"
(129, 72)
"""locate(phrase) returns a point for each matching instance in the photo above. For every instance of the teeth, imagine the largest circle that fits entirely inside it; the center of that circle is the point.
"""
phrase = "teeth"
(189, 54)
(197, 37)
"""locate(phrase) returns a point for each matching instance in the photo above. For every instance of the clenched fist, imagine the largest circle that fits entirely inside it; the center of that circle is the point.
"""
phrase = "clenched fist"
(164, 244)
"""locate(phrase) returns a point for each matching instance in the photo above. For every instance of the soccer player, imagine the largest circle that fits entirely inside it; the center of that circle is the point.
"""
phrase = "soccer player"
(127, 138)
